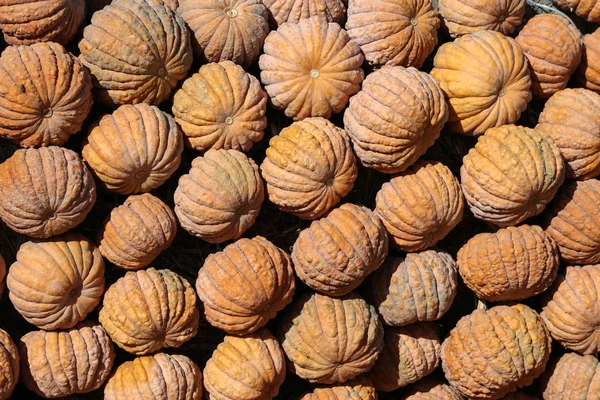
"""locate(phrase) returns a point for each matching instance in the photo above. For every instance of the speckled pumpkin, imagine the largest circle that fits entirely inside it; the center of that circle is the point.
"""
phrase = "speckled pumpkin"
(360, 388)
(137, 51)
(293, 11)
(45, 192)
(221, 107)
(148, 310)
(588, 72)
(221, 196)
(9, 365)
(432, 389)
(420, 206)
(134, 150)
(462, 17)
(385, 136)
(572, 377)
(45, 94)
(586, 9)
(311, 68)
(485, 78)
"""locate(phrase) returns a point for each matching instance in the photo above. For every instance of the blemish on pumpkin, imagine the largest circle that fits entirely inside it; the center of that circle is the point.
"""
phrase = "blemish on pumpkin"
(228, 120)
(141, 175)
(162, 72)
(231, 12)
(22, 88)
(329, 182)
(502, 92)
(414, 21)
(314, 73)
(47, 113)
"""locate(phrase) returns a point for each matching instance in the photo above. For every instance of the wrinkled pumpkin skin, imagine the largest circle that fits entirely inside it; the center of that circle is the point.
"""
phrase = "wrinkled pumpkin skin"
(588, 72)
(9, 365)
(586, 9)
(572, 377)
(432, 389)
(462, 17)
(292, 11)
(360, 388)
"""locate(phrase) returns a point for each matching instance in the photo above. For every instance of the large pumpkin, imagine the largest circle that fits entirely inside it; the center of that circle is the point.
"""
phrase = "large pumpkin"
(588, 72)
(586, 9)
(292, 11)
(432, 389)
(9, 365)
(572, 377)
(360, 388)
(462, 17)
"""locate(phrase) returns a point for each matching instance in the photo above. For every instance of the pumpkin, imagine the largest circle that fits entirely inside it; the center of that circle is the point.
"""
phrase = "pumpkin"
(420, 206)
(586, 9)
(245, 285)
(45, 94)
(45, 192)
(147, 310)
(250, 367)
(226, 29)
(511, 174)
(221, 107)
(221, 196)
(588, 72)
(462, 17)
(507, 347)
(418, 287)
(572, 377)
(30, 21)
(384, 135)
(485, 78)
(360, 388)
(137, 51)
(160, 376)
(134, 150)
(331, 339)
(137, 231)
(9, 365)
(553, 47)
(432, 389)
(571, 118)
(309, 168)
(311, 68)
(59, 364)
(519, 396)
(292, 11)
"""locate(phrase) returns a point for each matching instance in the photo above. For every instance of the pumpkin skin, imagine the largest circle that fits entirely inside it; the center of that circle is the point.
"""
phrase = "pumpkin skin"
(360, 388)
(588, 72)
(134, 150)
(249, 367)
(384, 136)
(309, 168)
(431, 389)
(45, 192)
(151, 51)
(507, 348)
(9, 365)
(245, 285)
(299, 73)
(572, 377)
(221, 107)
(138, 311)
(329, 340)
(462, 17)
(59, 364)
(485, 78)
(511, 174)
(137, 232)
(221, 196)
(586, 9)
(292, 11)
(420, 206)
(45, 94)
(177, 376)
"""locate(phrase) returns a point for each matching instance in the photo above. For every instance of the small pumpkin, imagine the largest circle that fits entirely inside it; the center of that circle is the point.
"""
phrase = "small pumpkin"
(360, 388)
(586, 9)
(292, 11)
(9, 362)
(572, 377)
(462, 17)
(588, 72)
(432, 389)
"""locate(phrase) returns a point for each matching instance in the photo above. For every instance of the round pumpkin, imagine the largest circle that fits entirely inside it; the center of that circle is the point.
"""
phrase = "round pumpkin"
(309, 168)
(59, 364)
(245, 285)
(9, 365)
(134, 150)
(250, 367)
(311, 68)
(177, 376)
(221, 107)
(360, 388)
(511, 174)
(420, 206)
(385, 136)
(292, 11)
(148, 310)
(137, 231)
(432, 389)
(572, 377)
(45, 94)
(588, 72)
(137, 51)
(221, 196)
(586, 9)
(485, 78)
(45, 192)
(507, 347)
(226, 29)
(462, 17)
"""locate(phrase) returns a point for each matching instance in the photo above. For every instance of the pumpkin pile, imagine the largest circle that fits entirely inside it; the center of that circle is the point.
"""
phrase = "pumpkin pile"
(300, 199)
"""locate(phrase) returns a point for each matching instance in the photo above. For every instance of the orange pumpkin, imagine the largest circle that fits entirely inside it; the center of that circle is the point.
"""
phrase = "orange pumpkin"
(360, 388)
(586, 9)
(588, 72)
(432, 389)
(572, 377)
(9, 365)
(292, 11)
(462, 17)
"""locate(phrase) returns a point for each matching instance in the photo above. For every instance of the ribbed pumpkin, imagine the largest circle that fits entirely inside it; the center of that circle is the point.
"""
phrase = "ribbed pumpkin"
(59, 364)
(385, 136)
(45, 94)
(134, 150)
(572, 377)
(226, 29)
(9, 365)
(177, 376)
(329, 340)
(553, 47)
(221, 107)
(137, 51)
(507, 347)
(511, 174)
(45, 192)
(588, 72)
(432, 389)
(311, 68)
(245, 285)
(147, 310)
(293, 11)
(420, 206)
(221, 196)
(250, 367)
(462, 17)
(586, 9)
(360, 388)
(309, 168)
(485, 78)
(137, 232)
(393, 32)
